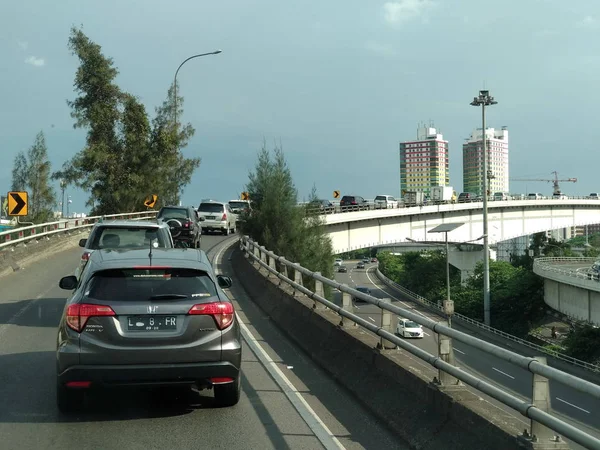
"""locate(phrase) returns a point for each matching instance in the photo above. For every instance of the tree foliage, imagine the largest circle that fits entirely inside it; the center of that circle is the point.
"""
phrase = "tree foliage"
(517, 297)
(584, 343)
(278, 223)
(31, 173)
(126, 156)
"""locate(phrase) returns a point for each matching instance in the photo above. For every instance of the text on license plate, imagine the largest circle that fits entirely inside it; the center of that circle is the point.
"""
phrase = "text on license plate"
(151, 323)
(210, 217)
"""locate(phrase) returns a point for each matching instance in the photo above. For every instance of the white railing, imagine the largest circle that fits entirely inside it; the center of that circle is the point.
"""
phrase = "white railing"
(461, 318)
(551, 265)
(270, 262)
(24, 234)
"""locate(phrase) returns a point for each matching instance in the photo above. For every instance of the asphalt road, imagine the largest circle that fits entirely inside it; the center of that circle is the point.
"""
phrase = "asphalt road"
(567, 403)
(30, 307)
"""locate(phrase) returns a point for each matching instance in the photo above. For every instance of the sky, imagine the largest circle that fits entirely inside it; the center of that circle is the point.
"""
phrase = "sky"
(339, 83)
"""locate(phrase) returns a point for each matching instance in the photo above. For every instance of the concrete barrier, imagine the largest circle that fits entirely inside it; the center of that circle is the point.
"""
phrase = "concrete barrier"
(385, 381)
(19, 256)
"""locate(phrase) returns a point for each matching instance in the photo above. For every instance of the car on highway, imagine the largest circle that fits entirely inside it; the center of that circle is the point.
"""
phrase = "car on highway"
(140, 318)
(123, 234)
(364, 290)
(338, 262)
(342, 269)
(218, 216)
(467, 197)
(408, 328)
(353, 203)
(593, 196)
(360, 265)
(184, 224)
(322, 206)
(366, 260)
(373, 260)
(385, 202)
(594, 271)
(500, 196)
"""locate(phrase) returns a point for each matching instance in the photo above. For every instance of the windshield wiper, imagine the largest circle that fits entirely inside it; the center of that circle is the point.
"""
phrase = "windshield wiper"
(167, 296)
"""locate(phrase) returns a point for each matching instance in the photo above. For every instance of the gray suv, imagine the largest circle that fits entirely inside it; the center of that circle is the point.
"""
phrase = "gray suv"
(139, 317)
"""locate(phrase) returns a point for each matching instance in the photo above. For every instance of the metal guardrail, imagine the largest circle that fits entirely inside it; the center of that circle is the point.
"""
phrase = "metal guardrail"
(369, 205)
(62, 226)
(461, 318)
(269, 261)
(551, 264)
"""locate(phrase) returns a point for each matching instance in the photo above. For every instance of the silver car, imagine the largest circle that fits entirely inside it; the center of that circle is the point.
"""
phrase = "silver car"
(218, 216)
(141, 318)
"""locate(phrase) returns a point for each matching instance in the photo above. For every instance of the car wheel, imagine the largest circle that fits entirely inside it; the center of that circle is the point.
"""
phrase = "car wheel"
(228, 394)
(68, 400)
(226, 231)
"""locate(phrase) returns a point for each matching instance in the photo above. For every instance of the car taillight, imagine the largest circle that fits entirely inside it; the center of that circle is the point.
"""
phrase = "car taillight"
(85, 256)
(353, 203)
(79, 313)
(224, 217)
(221, 312)
(186, 225)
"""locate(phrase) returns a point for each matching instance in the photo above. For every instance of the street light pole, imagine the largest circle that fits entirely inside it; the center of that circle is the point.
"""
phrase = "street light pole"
(484, 100)
(216, 52)
(63, 185)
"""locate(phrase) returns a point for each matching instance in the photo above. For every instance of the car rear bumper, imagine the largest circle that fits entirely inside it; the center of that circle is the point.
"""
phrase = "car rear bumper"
(148, 374)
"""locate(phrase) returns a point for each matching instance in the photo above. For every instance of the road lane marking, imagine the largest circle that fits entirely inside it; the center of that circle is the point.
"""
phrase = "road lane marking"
(373, 320)
(571, 404)
(459, 351)
(318, 427)
(20, 312)
(426, 334)
(503, 373)
(396, 298)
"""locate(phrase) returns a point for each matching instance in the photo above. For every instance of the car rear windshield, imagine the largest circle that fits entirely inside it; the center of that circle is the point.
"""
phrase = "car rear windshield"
(380, 197)
(363, 289)
(123, 237)
(238, 205)
(211, 207)
(173, 213)
(144, 284)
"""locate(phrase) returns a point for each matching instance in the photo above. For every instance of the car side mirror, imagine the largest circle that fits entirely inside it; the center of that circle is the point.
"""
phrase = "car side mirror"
(224, 281)
(201, 218)
(82, 242)
(68, 283)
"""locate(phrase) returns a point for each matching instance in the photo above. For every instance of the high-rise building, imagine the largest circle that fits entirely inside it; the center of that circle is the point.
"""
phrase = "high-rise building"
(424, 161)
(497, 161)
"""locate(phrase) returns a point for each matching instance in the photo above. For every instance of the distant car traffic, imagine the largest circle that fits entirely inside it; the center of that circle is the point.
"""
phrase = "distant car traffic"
(342, 269)
(364, 290)
(338, 262)
(385, 202)
(121, 234)
(218, 216)
(360, 265)
(408, 328)
(184, 223)
(321, 206)
(147, 318)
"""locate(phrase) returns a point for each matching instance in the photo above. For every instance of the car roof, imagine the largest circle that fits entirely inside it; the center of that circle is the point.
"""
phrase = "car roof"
(128, 258)
(130, 224)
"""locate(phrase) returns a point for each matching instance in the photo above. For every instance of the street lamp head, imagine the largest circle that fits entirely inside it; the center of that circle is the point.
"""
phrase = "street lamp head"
(483, 99)
(216, 52)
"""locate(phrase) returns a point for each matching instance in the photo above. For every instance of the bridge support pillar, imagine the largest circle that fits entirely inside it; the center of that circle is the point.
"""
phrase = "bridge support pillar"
(284, 272)
(271, 265)
(541, 437)
(346, 306)
(386, 325)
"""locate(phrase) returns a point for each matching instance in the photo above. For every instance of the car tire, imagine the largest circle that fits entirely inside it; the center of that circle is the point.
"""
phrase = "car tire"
(226, 231)
(68, 400)
(228, 394)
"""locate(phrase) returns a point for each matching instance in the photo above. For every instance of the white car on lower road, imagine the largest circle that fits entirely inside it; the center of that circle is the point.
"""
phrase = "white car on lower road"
(408, 328)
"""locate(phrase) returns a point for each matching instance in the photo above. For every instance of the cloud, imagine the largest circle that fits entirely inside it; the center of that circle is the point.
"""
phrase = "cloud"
(380, 49)
(405, 10)
(23, 44)
(588, 22)
(34, 61)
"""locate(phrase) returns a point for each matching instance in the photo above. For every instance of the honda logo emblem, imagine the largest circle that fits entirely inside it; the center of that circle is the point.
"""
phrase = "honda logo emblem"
(152, 309)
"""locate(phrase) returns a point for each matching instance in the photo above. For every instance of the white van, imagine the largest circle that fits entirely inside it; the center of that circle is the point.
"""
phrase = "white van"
(535, 196)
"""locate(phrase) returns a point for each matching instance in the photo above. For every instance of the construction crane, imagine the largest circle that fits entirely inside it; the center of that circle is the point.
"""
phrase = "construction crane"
(554, 181)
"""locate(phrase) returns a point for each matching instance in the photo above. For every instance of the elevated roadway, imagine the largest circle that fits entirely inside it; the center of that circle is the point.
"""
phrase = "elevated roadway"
(30, 307)
(569, 404)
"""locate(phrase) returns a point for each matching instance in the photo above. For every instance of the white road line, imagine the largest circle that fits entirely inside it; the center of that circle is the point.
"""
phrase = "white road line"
(318, 427)
(372, 320)
(503, 373)
(396, 298)
(459, 351)
(23, 310)
(571, 404)
(426, 334)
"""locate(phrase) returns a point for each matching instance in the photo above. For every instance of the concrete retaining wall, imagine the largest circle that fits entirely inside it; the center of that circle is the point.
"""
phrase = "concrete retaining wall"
(18, 256)
(400, 395)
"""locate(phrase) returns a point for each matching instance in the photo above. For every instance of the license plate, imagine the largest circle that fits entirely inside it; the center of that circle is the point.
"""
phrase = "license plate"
(210, 217)
(151, 323)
